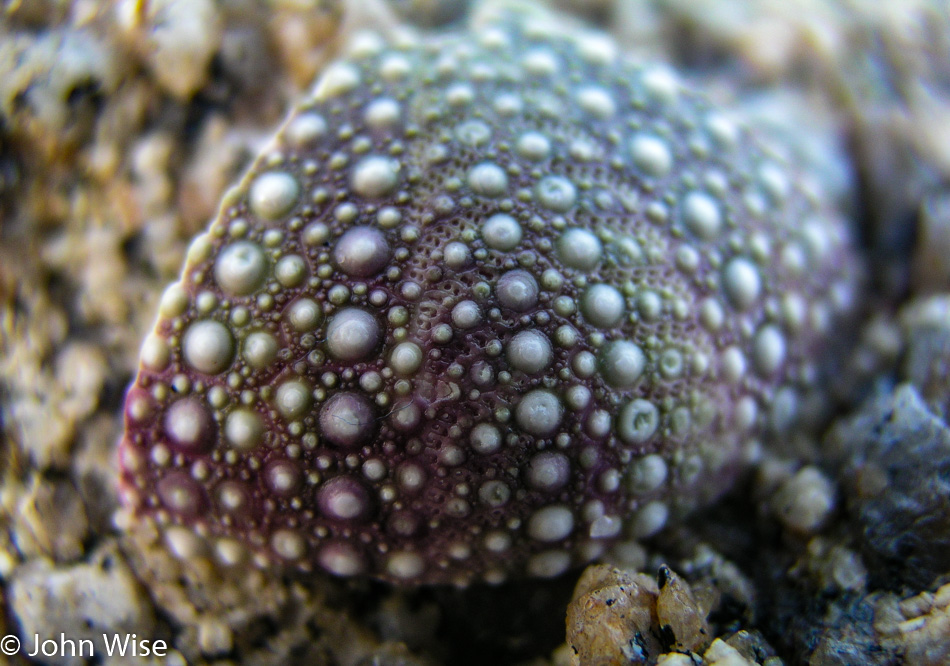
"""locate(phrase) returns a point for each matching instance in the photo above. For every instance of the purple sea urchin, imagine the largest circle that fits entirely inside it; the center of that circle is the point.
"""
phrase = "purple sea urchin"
(485, 307)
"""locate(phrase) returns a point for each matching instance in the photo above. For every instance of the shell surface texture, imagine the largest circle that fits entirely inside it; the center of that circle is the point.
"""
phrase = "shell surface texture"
(485, 308)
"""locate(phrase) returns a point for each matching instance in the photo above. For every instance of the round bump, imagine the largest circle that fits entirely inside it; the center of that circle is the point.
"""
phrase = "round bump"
(352, 334)
(671, 364)
(466, 314)
(733, 364)
(457, 255)
(584, 364)
(548, 471)
(622, 364)
(402, 523)
(291, 270)
(442, 334)
(580, 249)
(347, 420)
(288, 545)
(362, 252)
(382, 114)
(488, 180)
(701, 215)
(200, 249)
(746, 413)
(341, 559)
(605, 527)
(485, 438)
(406, 416)
(529, 351)
(596, 50)
(517, 290)
(189, 425)
(273, 194)
(184, 544)
(598, 424)
(533, 146)
(304, 315)
(768, 350)
(155, 354)
(540, 62)
(602, 306)
(315, 234)
(722, 130)
(244, 429)
(374, 469)
(410, 477)
(180, 494)
(174, 302)
(293, 399)
(405, 565)
(282, 477)
(649, 305)
(577, 397)
(375, 176)
(661, 84)
(451, 455)
(785, 407)
(473, 133)
(651, 155)
(650, 519)
(139, 406)
(646, 474)
(742, 283)
(501, 232)
(482, 374)
(794, 309)
(240, 268)
(233, 497)
(596, 101)
(259, 349)
(711, 314)
(305, 129)
(406, 358)
(539, 413)
(337, 79)
(556, 193)
(497, 542)
(638, 421)
(774, 182)
(343, 498)
(551, 524)
(394, 67)
(549, 564)
(208, 347)
(459, 94)
(494, 494)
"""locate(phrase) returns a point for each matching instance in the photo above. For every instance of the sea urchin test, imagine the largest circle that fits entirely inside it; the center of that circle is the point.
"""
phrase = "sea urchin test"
(485, 308)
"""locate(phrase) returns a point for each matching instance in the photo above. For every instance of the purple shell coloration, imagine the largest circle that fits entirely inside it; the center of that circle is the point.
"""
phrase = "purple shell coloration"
(487, 307)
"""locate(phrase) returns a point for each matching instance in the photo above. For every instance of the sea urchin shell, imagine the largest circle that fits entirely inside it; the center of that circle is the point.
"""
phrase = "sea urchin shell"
(487, 306)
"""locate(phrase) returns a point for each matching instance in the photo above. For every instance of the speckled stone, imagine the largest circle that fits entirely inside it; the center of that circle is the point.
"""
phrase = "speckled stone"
(83, 602)
(893, 459)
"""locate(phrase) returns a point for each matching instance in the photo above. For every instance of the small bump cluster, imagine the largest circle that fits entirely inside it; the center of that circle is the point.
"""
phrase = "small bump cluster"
(486, 307)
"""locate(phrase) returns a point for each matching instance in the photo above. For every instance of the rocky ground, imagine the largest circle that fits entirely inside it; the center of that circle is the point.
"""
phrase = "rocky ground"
(122, 123)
